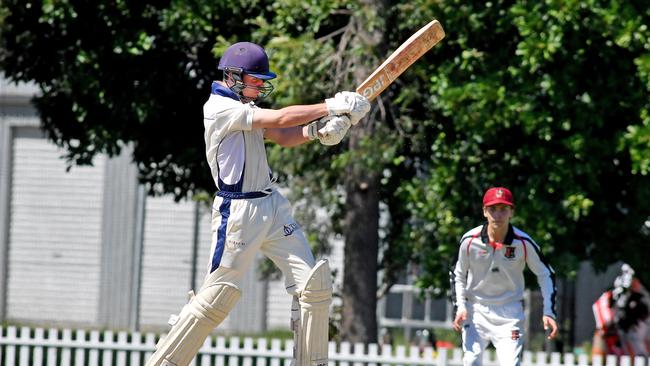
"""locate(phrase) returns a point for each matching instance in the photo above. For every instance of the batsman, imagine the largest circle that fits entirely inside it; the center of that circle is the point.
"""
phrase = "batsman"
(250, 215)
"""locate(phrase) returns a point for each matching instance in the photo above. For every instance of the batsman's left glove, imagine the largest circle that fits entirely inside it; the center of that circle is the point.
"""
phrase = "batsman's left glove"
(329, 130)
(348, 103)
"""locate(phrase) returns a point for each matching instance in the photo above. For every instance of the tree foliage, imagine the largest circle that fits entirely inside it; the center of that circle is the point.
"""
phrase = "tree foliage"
(550, 98)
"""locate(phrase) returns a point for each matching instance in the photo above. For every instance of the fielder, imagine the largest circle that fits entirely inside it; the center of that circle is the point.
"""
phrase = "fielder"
(250, 215)
(488, 283)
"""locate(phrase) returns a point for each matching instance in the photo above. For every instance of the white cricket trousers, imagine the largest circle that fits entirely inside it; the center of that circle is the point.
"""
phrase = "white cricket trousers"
(501, 325)
(243, 227)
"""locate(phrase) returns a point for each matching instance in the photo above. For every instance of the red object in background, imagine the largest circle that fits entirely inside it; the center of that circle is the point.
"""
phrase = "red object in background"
(444, 344)
(603, 313)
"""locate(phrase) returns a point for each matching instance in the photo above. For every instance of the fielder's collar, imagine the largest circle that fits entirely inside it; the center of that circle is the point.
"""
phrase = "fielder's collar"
(510, 236)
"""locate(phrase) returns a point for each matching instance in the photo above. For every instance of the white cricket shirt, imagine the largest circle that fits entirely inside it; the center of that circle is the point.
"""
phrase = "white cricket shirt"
(493, 276)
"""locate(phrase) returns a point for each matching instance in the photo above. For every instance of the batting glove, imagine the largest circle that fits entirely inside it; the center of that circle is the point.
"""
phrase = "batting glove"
(348, 103)
(329, 130)
(313, 127)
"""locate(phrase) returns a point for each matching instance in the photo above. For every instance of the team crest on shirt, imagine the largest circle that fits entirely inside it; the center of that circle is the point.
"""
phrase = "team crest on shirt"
(515, 334)
(290, 228)
(509, 253)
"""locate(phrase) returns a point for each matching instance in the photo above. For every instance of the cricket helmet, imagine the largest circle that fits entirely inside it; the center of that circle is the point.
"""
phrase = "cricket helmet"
(248, 58)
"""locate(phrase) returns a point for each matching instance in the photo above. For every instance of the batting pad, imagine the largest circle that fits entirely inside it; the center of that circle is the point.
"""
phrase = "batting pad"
(311, 330)
(193, 325)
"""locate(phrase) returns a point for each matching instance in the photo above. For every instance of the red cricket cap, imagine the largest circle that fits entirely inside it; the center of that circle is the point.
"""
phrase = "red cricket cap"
(497, 195)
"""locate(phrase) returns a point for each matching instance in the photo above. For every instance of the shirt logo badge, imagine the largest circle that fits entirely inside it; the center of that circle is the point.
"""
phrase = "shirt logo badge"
(510, 252)
(290, 228)
(515, 335)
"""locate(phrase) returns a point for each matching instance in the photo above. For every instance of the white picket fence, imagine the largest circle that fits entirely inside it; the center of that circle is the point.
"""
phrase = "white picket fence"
(39, 347)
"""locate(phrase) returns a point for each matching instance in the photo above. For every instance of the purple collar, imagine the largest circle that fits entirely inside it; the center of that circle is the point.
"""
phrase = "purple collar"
(219, 89)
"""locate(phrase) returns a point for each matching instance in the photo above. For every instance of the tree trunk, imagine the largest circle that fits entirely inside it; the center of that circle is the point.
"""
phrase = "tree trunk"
(359, 313)
(359, 323)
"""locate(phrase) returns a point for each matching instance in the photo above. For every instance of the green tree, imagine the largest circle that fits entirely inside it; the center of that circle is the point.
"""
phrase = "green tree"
(550, 98)
(118, 72)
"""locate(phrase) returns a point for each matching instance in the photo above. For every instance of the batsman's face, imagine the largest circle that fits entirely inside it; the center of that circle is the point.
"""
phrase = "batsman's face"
(498, 215)
(253, 85)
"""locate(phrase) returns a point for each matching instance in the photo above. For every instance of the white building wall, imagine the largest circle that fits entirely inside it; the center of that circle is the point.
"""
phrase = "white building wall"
(166, 260)
(53, 267)
(54, 234)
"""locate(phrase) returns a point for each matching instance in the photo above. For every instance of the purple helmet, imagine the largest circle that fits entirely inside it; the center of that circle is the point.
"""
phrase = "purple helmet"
(248, 58)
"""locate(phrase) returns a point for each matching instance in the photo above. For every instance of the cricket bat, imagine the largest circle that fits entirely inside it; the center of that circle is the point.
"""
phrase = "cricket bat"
(400, 60)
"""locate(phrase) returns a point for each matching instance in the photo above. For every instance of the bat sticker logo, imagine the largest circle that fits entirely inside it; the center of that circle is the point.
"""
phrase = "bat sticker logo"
(401, 59)
(378, 85)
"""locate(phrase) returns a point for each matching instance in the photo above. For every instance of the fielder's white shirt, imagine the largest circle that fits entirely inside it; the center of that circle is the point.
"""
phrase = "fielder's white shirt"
(492, 276)
(234, 150)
